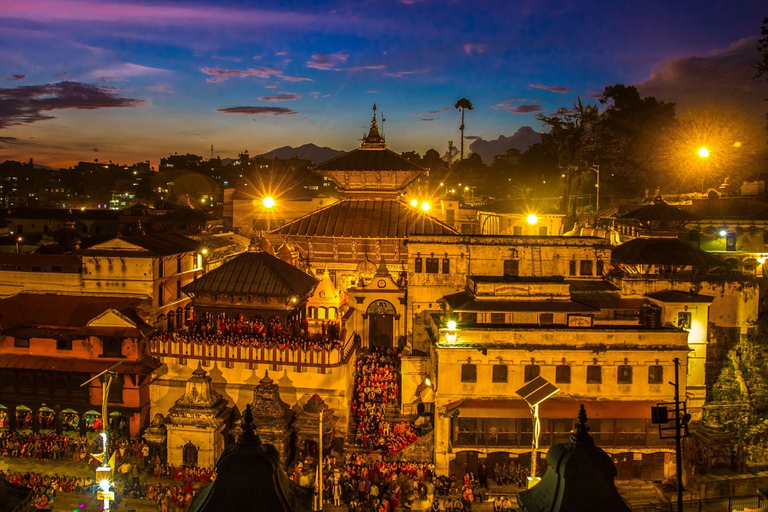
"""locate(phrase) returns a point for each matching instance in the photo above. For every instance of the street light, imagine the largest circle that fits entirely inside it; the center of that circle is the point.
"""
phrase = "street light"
(268, 203)
(596, 168)
(532, 219)
(534, 393)
(425, 206)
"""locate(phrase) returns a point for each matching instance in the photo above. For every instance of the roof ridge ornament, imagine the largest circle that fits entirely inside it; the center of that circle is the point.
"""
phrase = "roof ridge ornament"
(581, 433)
(374, 140)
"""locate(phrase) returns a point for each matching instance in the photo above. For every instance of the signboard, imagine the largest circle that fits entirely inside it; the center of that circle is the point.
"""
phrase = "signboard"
(579, 321)
(105, 495)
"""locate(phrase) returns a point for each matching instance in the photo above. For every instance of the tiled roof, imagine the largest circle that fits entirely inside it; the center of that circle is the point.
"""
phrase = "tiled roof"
(185, 215)
(145, 365)
(255, 273)
(366, 218)
(157, 244)
(678, 296)
(659, 210)
(63, 311)
(663, 251)
(464, 301)
(369, 160)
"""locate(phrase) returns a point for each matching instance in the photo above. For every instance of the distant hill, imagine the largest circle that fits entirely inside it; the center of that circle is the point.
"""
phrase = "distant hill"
(306, 152)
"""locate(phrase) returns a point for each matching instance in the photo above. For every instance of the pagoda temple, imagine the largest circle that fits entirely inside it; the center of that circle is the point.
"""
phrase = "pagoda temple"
(307, 425)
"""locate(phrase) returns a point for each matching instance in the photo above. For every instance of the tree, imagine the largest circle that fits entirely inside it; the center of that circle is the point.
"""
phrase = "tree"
(572, 139)
(761, 65)
(412, 156)
(463, 104)
(628, 134)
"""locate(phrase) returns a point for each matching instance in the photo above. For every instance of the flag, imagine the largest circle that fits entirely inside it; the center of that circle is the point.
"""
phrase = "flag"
(113, 462)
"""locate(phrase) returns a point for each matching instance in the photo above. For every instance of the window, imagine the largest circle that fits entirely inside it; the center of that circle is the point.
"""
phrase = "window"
(160, 268)
(730, 242)
(113, 347)
(468, 373)
(517, 230)
(655, 374)
(684, 319)
(500, 373)
(450, 217)
(594, 374)
(21, 342)
(446, 266)
(63, 344)
(585, 268)
(531, 371)
(511, 268)
(546, 318)
(178, 264)
(542, 230)
(600, 268)
(572, 268)
(563, 374)
(498, 318)
(160, 295)
(624, 375)
(433, 265)
(417, 266)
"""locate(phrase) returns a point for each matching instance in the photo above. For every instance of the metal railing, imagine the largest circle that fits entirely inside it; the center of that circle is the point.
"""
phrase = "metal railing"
(728, 504)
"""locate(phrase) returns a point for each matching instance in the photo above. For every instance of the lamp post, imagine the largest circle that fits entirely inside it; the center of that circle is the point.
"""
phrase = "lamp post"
(534, 393)
(596, 168)
(319, 464)
(703, 153)
(268, 203)
(104, 473)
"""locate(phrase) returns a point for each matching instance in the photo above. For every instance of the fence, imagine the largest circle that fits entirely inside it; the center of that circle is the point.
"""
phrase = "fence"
(729, 504)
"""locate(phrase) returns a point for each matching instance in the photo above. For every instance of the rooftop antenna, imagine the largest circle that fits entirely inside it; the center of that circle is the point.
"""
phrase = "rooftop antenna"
(382, 123)
(211, 151)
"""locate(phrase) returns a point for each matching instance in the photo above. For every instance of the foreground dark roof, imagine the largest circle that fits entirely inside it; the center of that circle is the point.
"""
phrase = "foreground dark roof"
(663, 251)
(366, 218)
(156, 244)
(255, 273)
(369, 160)
(464, 301)
(249, 477)
(186, 215)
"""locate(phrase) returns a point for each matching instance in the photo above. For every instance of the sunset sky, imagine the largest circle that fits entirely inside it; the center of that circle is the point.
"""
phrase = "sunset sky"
(131, 81)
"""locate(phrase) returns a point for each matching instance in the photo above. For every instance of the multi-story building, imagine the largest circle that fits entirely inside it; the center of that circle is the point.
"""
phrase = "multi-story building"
(50, 345)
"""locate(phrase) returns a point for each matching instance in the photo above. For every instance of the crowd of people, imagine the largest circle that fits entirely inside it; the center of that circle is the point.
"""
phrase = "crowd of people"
(512, 473)
(49, 446)
(224, 330)
(376, 386)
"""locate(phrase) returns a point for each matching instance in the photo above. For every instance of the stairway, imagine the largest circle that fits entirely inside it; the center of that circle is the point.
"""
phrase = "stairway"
(537, 264)
(420, 451)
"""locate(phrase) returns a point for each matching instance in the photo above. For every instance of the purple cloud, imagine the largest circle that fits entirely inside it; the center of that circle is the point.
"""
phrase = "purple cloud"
(433, 112)
(471, 48)
(271, 86)
(517, 109)
(401, 74)
(427, 119)
(327, 61)
(275, 111)
(723, 77)
(363, 68)
(27, 104)
(550, 88)
(522, 139)
(219, 75)
(161, 88)
(283, 96)
(16, 78)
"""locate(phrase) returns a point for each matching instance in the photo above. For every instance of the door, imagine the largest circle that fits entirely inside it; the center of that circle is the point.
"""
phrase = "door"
(189, 454)
(380, 330)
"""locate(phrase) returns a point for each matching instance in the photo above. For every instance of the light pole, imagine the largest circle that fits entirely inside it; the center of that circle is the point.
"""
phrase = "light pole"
(268, 203)
(703, 153)
(319, 504)
(534, 393)
(104, 473)
(596, 168)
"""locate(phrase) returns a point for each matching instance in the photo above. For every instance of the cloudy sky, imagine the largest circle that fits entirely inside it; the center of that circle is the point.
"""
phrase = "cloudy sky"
(131, 81)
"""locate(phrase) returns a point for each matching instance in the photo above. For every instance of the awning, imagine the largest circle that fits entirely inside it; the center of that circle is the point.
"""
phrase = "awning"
(554, 409)
(27, 362)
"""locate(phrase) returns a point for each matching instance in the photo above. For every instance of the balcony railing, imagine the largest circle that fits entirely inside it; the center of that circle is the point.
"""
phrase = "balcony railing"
(298, 359)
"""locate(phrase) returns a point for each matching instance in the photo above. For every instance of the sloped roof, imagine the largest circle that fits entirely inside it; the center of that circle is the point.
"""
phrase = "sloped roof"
(156, 244)
(186, 215)
(366, 218)
(255, 273)
(369, 160)
(464, 301)
(663, 251)
(678, 296)
(64, 311)
(659, 210)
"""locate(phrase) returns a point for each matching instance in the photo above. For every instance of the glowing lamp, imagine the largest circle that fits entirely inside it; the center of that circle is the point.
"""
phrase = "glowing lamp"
(414, 203)
(762, 259)
(451, 325)
(532, 219)
(723, 233)
(703, 152)
(427, 382)
(204, 251)
(425, 206)
(268, 202)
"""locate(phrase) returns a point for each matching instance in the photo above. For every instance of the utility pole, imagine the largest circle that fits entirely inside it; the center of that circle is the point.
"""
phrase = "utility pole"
(319, 505)
(660, 417)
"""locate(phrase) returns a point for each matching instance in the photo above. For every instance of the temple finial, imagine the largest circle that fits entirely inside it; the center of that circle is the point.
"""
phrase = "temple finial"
(248, 436)
(581, 433)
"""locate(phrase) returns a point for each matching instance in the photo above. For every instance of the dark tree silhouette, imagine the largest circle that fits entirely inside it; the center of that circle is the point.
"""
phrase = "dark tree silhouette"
(463, 104)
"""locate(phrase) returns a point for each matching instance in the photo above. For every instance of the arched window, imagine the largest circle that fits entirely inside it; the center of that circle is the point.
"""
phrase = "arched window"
(312, 312)
(331, 313)
(321, 313)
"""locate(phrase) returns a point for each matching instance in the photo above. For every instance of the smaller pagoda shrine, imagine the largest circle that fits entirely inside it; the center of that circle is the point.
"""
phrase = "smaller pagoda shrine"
(579, 478)
(307, 425)
(249, 477)
(156, 436)
(274, 417)
(196, 423)
(326, 306)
